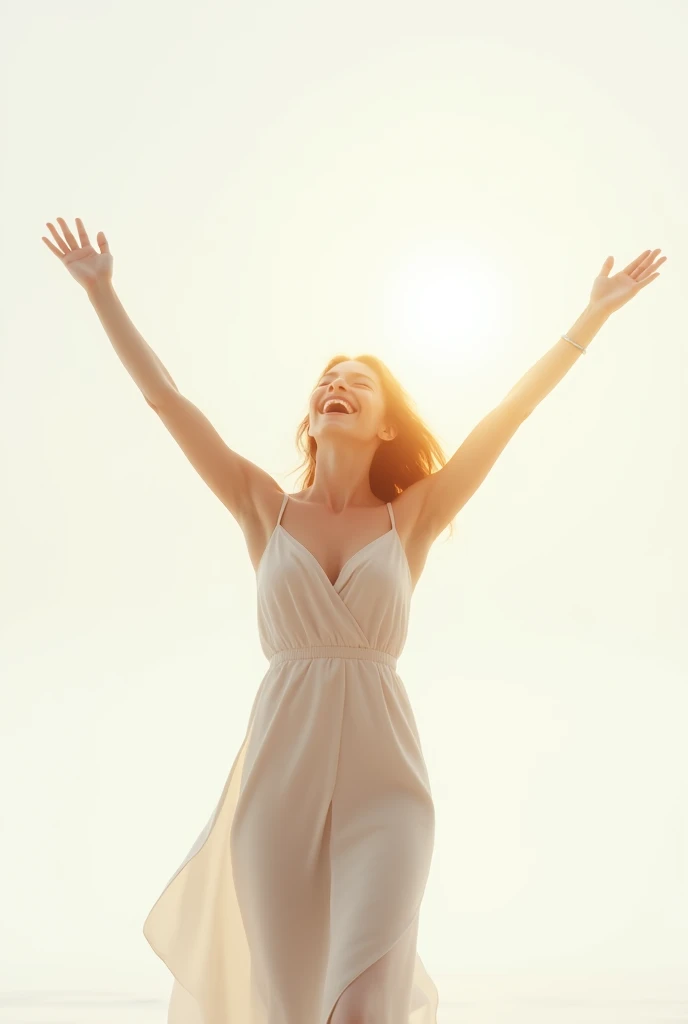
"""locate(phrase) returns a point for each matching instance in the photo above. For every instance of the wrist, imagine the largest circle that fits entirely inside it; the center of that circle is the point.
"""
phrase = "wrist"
(99, 288)
(588, 324)
(596, 312)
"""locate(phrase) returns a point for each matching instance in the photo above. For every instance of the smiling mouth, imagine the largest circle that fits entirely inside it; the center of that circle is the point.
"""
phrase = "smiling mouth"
(337, 408)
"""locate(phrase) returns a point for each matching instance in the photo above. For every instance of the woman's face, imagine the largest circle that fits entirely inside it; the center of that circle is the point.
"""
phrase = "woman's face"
(356, 384)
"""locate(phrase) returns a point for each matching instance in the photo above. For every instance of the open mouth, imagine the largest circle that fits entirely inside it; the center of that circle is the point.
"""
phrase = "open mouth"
(337, 407)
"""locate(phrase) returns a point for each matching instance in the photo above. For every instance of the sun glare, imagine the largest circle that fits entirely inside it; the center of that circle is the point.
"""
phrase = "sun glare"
(444, 301)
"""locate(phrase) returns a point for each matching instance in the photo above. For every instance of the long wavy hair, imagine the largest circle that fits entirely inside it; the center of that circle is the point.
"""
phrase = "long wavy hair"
(413, 454)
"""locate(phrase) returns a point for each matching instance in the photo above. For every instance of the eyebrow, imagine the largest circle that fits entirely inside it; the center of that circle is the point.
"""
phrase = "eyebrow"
(330, 373)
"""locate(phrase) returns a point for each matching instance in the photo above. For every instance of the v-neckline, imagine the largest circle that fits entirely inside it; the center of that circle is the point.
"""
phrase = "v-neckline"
(341, 571)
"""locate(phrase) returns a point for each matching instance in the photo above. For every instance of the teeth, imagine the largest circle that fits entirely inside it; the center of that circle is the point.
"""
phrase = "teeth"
(341, 401)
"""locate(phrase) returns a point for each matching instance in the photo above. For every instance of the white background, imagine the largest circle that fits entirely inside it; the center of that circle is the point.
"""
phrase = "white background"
(438, 185)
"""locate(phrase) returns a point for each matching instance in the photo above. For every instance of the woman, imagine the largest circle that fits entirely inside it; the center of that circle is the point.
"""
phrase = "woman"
(299, 902)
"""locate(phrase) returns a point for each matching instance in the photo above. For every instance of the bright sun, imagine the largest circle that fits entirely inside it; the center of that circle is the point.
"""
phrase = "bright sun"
(445, 300)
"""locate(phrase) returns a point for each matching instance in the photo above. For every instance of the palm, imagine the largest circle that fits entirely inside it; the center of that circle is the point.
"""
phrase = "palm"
(613, 292)
(84, 263)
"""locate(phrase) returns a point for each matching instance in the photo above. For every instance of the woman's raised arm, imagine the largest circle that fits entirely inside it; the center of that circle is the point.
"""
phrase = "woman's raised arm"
(93, 271)
(240, 485)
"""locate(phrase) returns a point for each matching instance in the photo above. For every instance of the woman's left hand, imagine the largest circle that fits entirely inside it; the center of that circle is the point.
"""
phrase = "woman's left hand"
(610, 293)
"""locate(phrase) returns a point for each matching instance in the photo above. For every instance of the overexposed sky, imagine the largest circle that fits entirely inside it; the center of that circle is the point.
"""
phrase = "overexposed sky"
(437, 184)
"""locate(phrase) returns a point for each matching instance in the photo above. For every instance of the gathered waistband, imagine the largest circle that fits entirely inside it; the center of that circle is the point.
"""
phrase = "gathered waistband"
(307, 653)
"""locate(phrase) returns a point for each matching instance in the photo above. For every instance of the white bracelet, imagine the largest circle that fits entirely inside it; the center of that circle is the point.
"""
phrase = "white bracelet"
(566, 338)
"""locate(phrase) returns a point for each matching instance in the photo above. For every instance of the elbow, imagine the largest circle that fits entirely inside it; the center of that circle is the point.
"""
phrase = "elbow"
(160, 399)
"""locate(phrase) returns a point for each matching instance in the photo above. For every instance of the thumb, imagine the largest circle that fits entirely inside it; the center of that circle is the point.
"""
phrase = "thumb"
(102, 242)
(606, 267)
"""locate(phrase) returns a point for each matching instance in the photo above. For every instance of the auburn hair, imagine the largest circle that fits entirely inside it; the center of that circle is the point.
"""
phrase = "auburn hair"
(413, 454)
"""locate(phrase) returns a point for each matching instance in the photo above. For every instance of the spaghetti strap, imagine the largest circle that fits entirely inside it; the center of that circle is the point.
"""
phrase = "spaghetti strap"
(391, 514)
(284, 503)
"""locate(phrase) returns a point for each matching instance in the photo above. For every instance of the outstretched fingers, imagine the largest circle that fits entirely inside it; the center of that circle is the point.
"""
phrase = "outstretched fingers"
(63, 247)
(643, 281)
(644, 263)
(83, 237)
(71, 240)
(52, 248)
(634, 264)
(647, 273)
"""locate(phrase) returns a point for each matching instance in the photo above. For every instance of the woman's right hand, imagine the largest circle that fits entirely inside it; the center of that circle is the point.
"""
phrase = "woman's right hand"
(86, 266)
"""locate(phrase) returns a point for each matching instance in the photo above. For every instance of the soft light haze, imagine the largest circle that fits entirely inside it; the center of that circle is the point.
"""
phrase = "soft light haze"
(438, 185)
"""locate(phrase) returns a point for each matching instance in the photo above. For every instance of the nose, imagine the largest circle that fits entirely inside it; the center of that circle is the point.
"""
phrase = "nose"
(336, 385)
